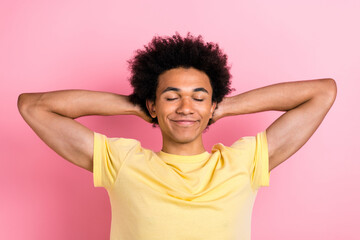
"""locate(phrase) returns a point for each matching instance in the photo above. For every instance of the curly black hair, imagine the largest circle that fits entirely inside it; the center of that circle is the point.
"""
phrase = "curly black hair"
(165, 53)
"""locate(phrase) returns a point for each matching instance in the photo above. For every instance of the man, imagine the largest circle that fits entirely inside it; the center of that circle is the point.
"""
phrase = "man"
(181, 192)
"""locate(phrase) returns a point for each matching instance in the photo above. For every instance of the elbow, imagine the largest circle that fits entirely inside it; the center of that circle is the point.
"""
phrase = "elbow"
(22, 101)
(332, 89)
(26, 100)
(329, 90)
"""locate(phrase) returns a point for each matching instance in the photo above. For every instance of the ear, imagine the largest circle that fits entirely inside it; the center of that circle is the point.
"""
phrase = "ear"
(212, 110)
(150, 105)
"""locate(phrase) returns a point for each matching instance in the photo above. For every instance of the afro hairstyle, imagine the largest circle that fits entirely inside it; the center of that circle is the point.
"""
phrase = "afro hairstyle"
(165, 53)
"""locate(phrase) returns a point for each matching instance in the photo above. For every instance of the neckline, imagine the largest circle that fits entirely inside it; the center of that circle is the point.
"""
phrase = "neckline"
(183, 158)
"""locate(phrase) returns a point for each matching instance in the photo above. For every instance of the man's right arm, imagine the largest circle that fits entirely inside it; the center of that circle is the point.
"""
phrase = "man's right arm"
(51, 115)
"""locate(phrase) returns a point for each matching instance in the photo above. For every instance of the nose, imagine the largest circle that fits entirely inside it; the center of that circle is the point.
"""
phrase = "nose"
(185, 107)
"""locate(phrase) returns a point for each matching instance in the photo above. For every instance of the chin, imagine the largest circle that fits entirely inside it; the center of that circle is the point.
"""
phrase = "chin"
(185, 140)
(183, 135)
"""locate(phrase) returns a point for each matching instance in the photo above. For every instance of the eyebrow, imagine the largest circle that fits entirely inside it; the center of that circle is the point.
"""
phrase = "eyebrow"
(178, 90)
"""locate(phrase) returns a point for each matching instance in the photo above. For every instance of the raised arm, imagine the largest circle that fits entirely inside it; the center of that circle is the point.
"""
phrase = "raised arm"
(306, 104)
(51, 115)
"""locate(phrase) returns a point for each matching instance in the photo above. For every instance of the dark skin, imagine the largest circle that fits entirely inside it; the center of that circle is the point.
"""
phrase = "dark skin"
(183, 107)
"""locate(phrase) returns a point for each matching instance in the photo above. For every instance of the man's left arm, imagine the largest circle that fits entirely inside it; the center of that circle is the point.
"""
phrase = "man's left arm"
(305, 103)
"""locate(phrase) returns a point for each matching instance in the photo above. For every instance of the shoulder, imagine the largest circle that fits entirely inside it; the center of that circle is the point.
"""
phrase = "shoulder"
(242, 149)
(251, 141)
(115, 143)
(242, 143)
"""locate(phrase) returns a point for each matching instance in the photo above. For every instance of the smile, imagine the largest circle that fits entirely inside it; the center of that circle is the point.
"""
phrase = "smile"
(185, 122)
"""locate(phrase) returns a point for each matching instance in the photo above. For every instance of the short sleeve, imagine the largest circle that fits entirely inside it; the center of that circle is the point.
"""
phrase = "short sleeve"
(108, 157)
(254, 153)
(259, 168)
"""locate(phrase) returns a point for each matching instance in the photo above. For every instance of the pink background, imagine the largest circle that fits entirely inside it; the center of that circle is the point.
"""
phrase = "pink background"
(67, 44)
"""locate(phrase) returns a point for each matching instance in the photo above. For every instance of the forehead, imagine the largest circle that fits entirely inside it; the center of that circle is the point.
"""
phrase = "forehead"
(186, 79)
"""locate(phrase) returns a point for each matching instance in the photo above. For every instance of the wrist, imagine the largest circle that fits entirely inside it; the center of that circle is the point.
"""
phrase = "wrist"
(131, 108)
(220, 110)
(135, 109)
(223, 107)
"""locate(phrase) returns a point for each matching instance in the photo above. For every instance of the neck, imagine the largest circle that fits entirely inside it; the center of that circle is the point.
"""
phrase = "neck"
(186, 149)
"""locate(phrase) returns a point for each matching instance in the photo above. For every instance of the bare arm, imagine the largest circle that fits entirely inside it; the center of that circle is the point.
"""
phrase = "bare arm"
(51, 115)
(305, 103)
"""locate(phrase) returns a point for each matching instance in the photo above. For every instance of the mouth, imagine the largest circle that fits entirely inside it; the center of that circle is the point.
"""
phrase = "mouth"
(185, 122)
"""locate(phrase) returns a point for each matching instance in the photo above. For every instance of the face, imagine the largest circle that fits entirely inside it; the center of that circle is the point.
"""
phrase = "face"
(183, 104)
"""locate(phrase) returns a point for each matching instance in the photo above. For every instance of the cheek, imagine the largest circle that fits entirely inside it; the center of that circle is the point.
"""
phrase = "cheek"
(163, 110)
(209, 110)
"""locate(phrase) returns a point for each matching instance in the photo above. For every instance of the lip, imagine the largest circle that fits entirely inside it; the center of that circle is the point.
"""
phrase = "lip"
(185, 122)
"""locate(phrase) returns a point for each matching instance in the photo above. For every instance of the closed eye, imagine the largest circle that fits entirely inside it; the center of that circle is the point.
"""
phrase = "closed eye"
(170, 99)
(198, 99)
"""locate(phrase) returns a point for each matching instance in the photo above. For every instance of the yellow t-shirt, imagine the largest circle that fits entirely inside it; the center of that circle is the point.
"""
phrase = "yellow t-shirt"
(161, 196)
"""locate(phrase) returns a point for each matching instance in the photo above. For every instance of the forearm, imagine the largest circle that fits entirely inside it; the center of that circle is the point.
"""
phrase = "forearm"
(77, 103)
(279, 97)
